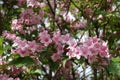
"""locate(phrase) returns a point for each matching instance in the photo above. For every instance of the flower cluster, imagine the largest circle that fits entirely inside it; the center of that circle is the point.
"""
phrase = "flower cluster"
(17, 25)
(29, 17)
(90, 49)
(5, 77)
(28, 21)
(23, 47)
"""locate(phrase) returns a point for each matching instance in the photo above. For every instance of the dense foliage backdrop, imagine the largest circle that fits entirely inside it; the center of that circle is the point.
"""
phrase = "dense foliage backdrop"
(59, 39)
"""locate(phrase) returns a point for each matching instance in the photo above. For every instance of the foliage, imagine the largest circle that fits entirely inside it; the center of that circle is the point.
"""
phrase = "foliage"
(56, 39)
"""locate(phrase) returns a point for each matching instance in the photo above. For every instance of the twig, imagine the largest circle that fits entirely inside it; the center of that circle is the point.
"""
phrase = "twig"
(82, 35)
(73, 73)
(95, 73)
(54, 12)
(51, 7)
(76, 5)
(68, 8)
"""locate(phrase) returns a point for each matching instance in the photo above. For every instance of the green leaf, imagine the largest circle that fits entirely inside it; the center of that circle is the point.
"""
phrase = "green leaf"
(1, 43)
(7, 47)
(37, 71)
(114, 66)
(116, 60)
(53, 65)
(22, 61)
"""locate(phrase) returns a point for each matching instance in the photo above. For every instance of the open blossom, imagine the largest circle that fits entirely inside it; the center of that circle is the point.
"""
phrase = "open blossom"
(42, 5)
(79, 25)
(9, 36)
(68, 19)
(65, 38)
(16, 25)
(72, 43)
(21, 52)
(56, 37)
(33, 3)
(20, 2)
(44, 38)
(92, 59)
(104, 50)
(60, 48)
(56, 57)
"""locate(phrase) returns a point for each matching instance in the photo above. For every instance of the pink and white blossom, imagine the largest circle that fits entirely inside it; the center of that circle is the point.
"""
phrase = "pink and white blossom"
(56, 57)
(44, 38)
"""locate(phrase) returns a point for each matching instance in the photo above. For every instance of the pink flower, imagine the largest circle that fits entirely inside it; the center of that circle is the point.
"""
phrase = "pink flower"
(5, 77)
(56, 57)
(92, 59)
(21, 52)
(72, 44)
(59, 20)
(15, 70)
(103, 53)
(88, 11)
(32, 45)
(16, 25)
(20, 2)
(104, 62)
(33, 3)
(68, 19)
(85, 51)
(56, 37)
(79, 25)
(42, 4)
(77, 52)
(68, 64)
(97, 45)
(65, 38)
(30, 3)
(39, 47)
(44, 38)
(60, 48)
(94, 39)
(70, 54)
(9, 36)
(27, 13)
(17, 79)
